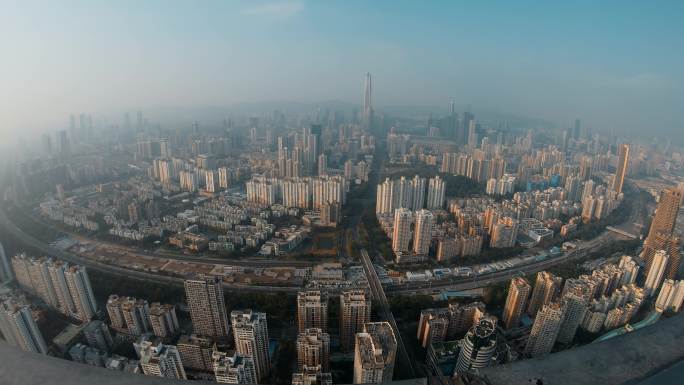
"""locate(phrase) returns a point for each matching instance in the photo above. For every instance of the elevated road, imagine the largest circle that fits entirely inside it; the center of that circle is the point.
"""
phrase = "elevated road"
(380, 302)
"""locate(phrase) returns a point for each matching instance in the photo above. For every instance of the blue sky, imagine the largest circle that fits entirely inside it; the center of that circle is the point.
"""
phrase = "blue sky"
(615, 64)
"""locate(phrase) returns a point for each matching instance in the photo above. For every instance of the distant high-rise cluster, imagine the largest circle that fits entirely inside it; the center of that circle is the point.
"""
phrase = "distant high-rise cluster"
(405, 193)
(305, 193)
(62, 286)
(136, 317)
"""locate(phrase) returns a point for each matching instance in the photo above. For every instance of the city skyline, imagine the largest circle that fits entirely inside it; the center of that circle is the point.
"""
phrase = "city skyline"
(623, 81)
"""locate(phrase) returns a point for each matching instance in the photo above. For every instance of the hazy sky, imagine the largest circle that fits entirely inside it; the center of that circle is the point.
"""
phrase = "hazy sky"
(615, 64)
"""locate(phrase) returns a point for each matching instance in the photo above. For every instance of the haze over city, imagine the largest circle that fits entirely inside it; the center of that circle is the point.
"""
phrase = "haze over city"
(300, 192)
(617, 65)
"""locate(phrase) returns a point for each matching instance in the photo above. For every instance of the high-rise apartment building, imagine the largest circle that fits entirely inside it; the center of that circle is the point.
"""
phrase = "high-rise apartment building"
(656, 272)
(312, 375)
(478, 346)
(504, 233)
(250, 333)
(157, 359)
(374, 354)
(545, 330)
(234, 369)
(19, 328)
(355, 311)
(313, 349)
(436, 191)
(196, 352)
(163, 319)
(422, 236)
(462, 317)
(312, 310)
(401, 233)
(207, 306)
(574, 304)
(671, 296)
(433, 326)
(516, 302)
(630, 270)
(418, 199)
(5, 269)
(546, 288)
(97, 335)
(621, 170)
(64, 287)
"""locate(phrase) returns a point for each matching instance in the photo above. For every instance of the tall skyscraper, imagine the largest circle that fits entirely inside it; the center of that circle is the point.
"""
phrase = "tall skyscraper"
(401, 233)
(207, 306)
(234, 369)
(312, 310)
(574, 304)
(313, 349)
(19, 328)
(662, 226)
(422, 232)
(157, 359)
(5, 269)
(374, 354)
(545, 330)
(250, 332)
(516, 302)
(196, 352)
(621, 170)
(546, 288)
(433, 326)
(478, 346)
(355, 311)
(367, 101)
(656, 272)
(435, 196)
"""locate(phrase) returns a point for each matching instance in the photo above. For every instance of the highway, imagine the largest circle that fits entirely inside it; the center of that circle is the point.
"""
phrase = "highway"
(380, 302)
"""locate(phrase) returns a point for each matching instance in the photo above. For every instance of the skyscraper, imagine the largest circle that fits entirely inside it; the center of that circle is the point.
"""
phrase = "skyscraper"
(574, 304)
(157, 359)
(546, 288)
(433, 326)
(355, 311)
(374, 354)
(621, 170)
(19, 328)
(516, 302)
(422, 232)
(545, 330)
(662, 226)
(5, 269)
(313, 349)
(250, 332)
(656, 272)
(478, 346)
(312, 310)
(98, 336)
(401, 233)
(163, 319)
(207, 306)
(435, 196)
(367, 101)
(234, 369)
(671, 296)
